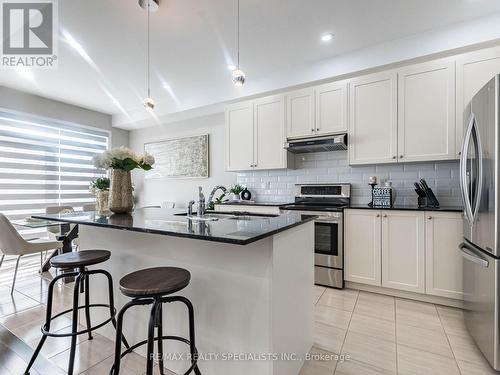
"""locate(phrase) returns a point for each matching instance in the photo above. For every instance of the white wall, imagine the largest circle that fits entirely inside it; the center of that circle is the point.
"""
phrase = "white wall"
(39, 106)
(181, 191)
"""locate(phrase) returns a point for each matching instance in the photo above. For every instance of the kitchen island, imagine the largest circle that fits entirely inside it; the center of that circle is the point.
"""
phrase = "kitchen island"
(251, 283)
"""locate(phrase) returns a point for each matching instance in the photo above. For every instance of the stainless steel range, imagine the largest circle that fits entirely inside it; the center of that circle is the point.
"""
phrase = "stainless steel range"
(326, 201)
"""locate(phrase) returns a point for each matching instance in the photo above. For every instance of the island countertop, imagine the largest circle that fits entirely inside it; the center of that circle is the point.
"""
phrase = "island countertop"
(239, 229)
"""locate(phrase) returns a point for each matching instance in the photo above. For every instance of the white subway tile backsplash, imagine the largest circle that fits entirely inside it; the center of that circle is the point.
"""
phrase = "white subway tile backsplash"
(324, 167)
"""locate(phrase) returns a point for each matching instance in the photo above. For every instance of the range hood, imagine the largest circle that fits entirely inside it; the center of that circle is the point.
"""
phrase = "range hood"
(318, 144)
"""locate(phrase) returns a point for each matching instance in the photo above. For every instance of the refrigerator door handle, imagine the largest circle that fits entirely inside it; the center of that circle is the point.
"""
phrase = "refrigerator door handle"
(463, 170)
(479, 188)
(468, 254)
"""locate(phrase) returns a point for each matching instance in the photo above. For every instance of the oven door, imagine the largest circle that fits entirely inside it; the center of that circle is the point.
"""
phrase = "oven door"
(328, 242)
(328, 238)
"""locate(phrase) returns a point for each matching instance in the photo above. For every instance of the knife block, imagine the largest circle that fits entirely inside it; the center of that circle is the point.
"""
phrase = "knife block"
(422, 202)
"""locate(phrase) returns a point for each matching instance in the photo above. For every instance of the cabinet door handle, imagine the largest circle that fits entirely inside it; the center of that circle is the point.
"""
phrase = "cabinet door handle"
(401, 156)
(317, 129)
(429, 217)
(378, 215)
(312, 130)
(385, 215)
(394, 157)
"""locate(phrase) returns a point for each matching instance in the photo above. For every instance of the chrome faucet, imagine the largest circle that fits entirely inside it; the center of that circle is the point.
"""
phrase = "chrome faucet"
(211, 197)
(190, 208)
(202, 209)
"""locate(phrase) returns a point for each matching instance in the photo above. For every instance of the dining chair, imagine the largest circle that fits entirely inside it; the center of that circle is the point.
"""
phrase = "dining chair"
(54, 231)
(11, 243)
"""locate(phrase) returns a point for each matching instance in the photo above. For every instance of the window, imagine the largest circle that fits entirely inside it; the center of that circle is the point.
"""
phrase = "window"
(46, 163)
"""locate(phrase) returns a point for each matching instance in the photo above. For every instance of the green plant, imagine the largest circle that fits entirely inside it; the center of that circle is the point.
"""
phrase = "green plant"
(218, 200)
(237, 189)
(101, 183)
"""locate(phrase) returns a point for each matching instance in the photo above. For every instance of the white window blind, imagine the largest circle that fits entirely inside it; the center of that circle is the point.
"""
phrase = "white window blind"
(46, 163)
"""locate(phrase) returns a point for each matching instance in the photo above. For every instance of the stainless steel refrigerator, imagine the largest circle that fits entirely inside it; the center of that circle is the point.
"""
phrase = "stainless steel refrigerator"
(480, 182)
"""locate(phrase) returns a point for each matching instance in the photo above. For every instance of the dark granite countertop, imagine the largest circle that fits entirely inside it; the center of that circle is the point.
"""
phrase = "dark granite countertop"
(236, 229)
(409, 208)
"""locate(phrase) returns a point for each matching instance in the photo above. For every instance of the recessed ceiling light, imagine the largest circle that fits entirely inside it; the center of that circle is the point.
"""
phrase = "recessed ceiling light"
(231, 67)
(327, 37)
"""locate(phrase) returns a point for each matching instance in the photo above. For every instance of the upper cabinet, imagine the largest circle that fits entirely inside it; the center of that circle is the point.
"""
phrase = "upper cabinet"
(474, 70)
(426, 111)
(239, 136)
(404, 115)
(331, 108)
(317, 111)
(269, 133)
(255, 134)
(414, 113)
(300, 113)
(373, 128)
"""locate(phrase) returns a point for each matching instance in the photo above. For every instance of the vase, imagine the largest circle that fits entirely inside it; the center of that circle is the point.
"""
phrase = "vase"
(121, 199)
(102, 201)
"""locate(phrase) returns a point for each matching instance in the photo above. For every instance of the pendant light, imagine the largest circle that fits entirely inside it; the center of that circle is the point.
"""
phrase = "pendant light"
(238, 76)
(150, 6)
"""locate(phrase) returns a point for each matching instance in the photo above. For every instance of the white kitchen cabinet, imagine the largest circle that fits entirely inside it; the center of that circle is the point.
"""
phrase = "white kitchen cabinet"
(373, 132)
(443, 232)
(426, 111)
(474, 70)
(300, 113)
(255, 134)
(362, 244)
(269, 133)
(403, 250)
(331, 108)
(239, 136)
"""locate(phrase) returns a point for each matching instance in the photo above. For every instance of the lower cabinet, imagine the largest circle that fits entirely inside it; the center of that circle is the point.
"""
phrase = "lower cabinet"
(404, 250)
(443, 259)
(362, 245)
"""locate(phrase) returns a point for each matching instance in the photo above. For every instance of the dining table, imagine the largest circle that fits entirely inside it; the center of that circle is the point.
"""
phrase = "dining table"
(66, 234)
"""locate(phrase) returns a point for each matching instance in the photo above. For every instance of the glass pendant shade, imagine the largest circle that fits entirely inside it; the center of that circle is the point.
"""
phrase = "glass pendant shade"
(238, 77)
(149, 103)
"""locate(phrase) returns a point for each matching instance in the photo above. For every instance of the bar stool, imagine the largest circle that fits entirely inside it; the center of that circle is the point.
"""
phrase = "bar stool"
(77, 260)
(150, 287)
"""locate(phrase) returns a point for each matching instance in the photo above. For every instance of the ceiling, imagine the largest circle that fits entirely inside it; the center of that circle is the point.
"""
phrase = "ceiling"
(102, 47)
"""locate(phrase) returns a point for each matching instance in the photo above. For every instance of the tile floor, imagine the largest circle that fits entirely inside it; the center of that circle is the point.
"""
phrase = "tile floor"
(379, 334)
(387, 335)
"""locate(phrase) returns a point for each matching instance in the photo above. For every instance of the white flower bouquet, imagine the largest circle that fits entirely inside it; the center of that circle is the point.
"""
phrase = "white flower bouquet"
(124, 159)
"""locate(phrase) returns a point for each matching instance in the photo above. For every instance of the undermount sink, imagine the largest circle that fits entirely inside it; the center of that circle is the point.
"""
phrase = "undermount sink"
(206, 217)
(225, 216)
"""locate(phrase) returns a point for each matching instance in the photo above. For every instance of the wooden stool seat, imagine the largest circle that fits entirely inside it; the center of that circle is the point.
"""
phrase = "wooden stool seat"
(151, 282)
(80, 259)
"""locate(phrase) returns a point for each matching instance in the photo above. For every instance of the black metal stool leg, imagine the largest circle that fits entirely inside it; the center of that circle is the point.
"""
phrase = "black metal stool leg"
(87, 304)
(111, 301)
(192, 343)
(115, 370)
(74, 326)
(151, 338)
(159, 324)
(48, 317)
